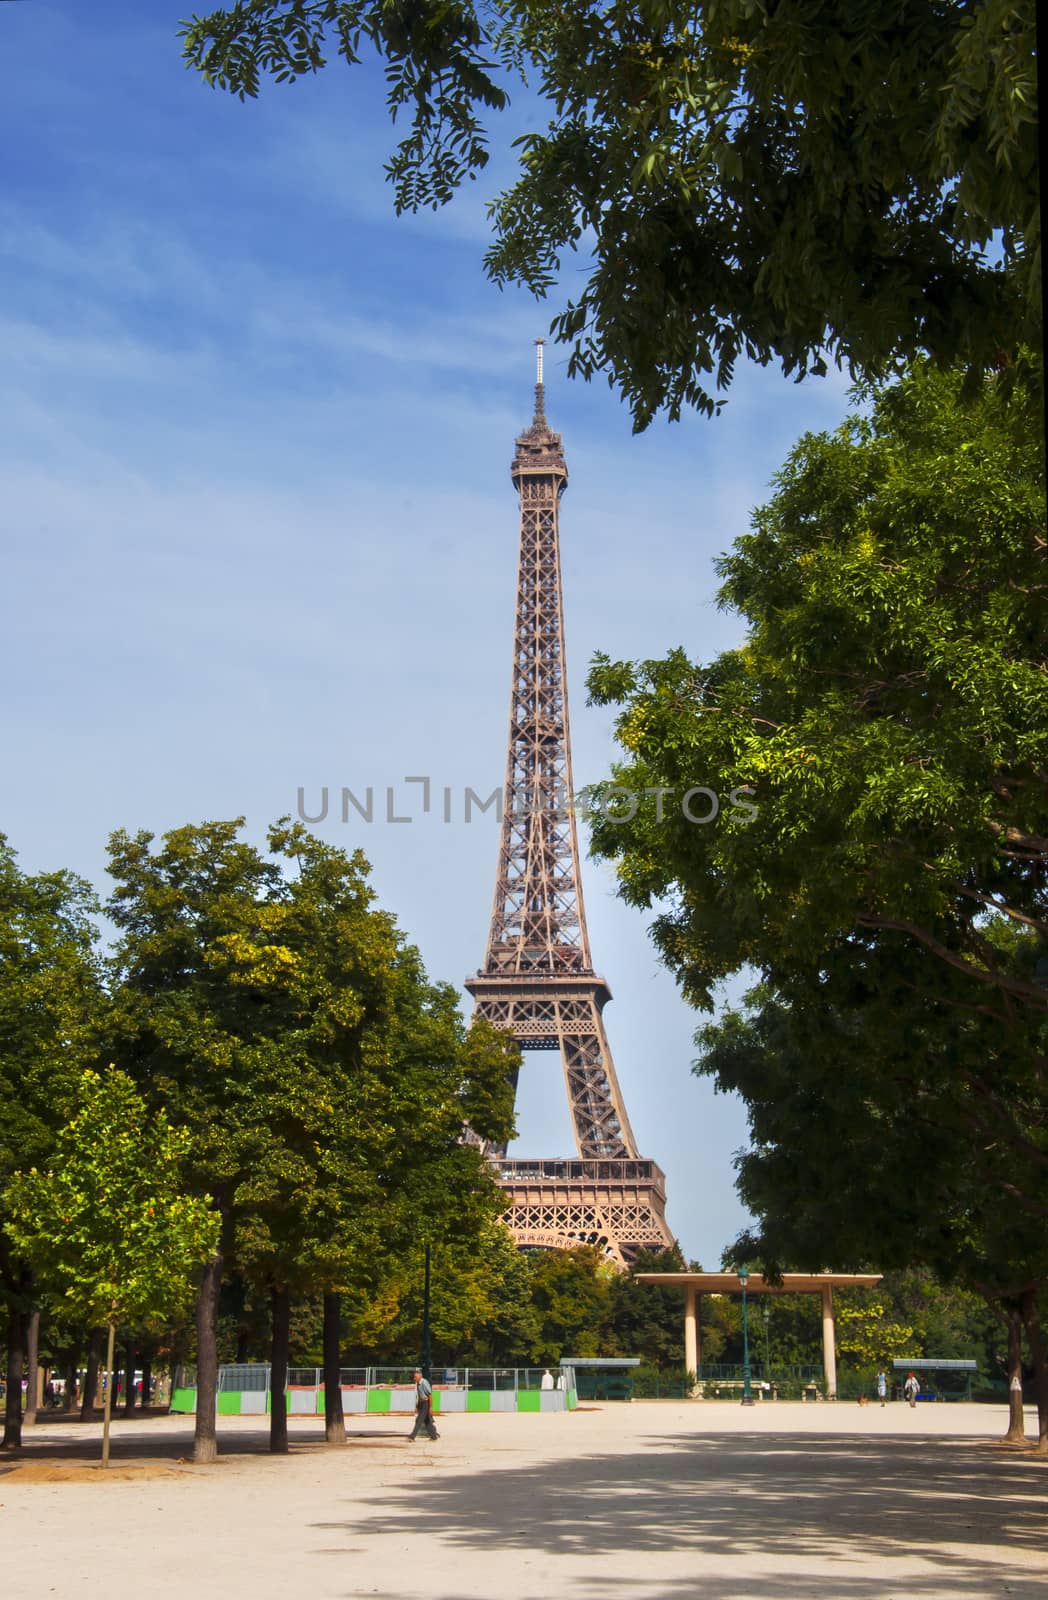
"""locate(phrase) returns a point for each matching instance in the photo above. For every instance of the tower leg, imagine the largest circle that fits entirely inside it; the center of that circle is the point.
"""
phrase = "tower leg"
(601, 1125)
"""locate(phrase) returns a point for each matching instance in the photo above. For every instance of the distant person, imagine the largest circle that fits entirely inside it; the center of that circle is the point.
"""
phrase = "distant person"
(547, 1380)
(882, 1387)
(423, 1409)
(911, 1389)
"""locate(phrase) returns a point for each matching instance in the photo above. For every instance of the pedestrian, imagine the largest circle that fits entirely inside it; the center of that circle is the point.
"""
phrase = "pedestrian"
(911, 1388)
(423, 1409)
(882, 1386)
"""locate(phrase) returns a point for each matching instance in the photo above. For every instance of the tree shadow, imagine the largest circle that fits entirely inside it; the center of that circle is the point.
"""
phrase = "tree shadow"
(148, 1445)
(953, 1504)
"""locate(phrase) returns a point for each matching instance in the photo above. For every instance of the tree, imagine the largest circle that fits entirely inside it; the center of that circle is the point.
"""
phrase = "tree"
(868, 1334)
(880, 743)
(186, 1030)
(788, 182)
(854, 1087)
(481, 1307)
(50, 995)
(324, 1082)
(106, 1225)
(571, 1292)
(644, 1319)
(370, 1080)
(882, 734)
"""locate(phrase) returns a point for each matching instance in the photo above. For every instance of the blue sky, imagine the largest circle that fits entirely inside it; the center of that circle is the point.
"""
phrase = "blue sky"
(258, 528)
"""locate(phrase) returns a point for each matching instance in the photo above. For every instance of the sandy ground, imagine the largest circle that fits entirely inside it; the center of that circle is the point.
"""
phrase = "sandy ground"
(654, 1501)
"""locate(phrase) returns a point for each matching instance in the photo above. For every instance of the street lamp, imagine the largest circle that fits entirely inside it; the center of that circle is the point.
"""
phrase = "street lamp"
(747, 1391)
(426, 1354)
(766, 1308)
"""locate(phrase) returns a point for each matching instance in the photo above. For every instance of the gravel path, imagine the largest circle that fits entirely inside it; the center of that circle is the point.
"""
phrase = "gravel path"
(650, 1501)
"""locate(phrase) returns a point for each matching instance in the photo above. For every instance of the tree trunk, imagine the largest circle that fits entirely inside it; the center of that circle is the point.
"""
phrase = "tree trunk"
(1035, 1339)
(16, 1343)
(95, 1348)
(334, 1421)
(147, 1379)
(281, 1309)
(1016, 1426)
(72, 1373)
(32, 1366)
(205, 1439)
(129, 1378)
(110, 1386)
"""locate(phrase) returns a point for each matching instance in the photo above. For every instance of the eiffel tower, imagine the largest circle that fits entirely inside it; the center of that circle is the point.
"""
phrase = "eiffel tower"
(538, 980)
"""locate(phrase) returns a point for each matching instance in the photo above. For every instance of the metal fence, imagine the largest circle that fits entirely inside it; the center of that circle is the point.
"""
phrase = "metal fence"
(254, 1377)
(732, 1372)
(720, 1380)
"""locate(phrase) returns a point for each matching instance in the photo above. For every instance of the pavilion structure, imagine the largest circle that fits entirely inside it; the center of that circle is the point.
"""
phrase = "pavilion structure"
(823, 1284)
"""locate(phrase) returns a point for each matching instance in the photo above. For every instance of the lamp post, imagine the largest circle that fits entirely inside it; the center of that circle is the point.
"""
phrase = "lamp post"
(766, 1309)
(425, 1362)
(747, 1390)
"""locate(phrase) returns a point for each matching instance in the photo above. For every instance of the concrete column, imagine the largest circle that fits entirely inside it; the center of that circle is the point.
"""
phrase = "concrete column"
(692, 1354)
(829, 1344)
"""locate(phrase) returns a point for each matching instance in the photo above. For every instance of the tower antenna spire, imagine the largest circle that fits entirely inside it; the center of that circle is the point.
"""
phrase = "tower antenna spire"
(540, 387)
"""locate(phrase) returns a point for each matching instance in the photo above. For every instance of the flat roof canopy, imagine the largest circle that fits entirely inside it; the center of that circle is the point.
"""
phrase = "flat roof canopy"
(792, 1282)
(926, 1365)
(600, 1361)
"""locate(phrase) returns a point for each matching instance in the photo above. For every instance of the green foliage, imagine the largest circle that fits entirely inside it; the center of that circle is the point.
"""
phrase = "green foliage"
(887, 716)
(787, 182)
(860, 1079)
(867, 1336)
(437, 68)
(480, 1310)
(492, 1303)
(322, 1079)
(50, 998)
(646, 1319)
(571, 1291)
(947, 1321)
(106, 1226)
(791, 1335)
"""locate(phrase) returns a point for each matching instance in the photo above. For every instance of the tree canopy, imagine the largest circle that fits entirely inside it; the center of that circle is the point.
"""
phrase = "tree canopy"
(110, 1233)
(107, 1229)
(893, 1123)
(795, 183)
(880, 742)
(284, 1022)
(884, 728)
(50, 996)
(886, 1127)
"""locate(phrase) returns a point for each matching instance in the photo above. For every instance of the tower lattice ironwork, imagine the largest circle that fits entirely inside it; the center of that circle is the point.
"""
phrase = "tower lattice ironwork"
(538, 980)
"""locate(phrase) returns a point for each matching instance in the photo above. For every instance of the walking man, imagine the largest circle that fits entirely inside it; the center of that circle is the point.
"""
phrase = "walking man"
(882, 1386)
(423, 1409)
(911, 1388)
